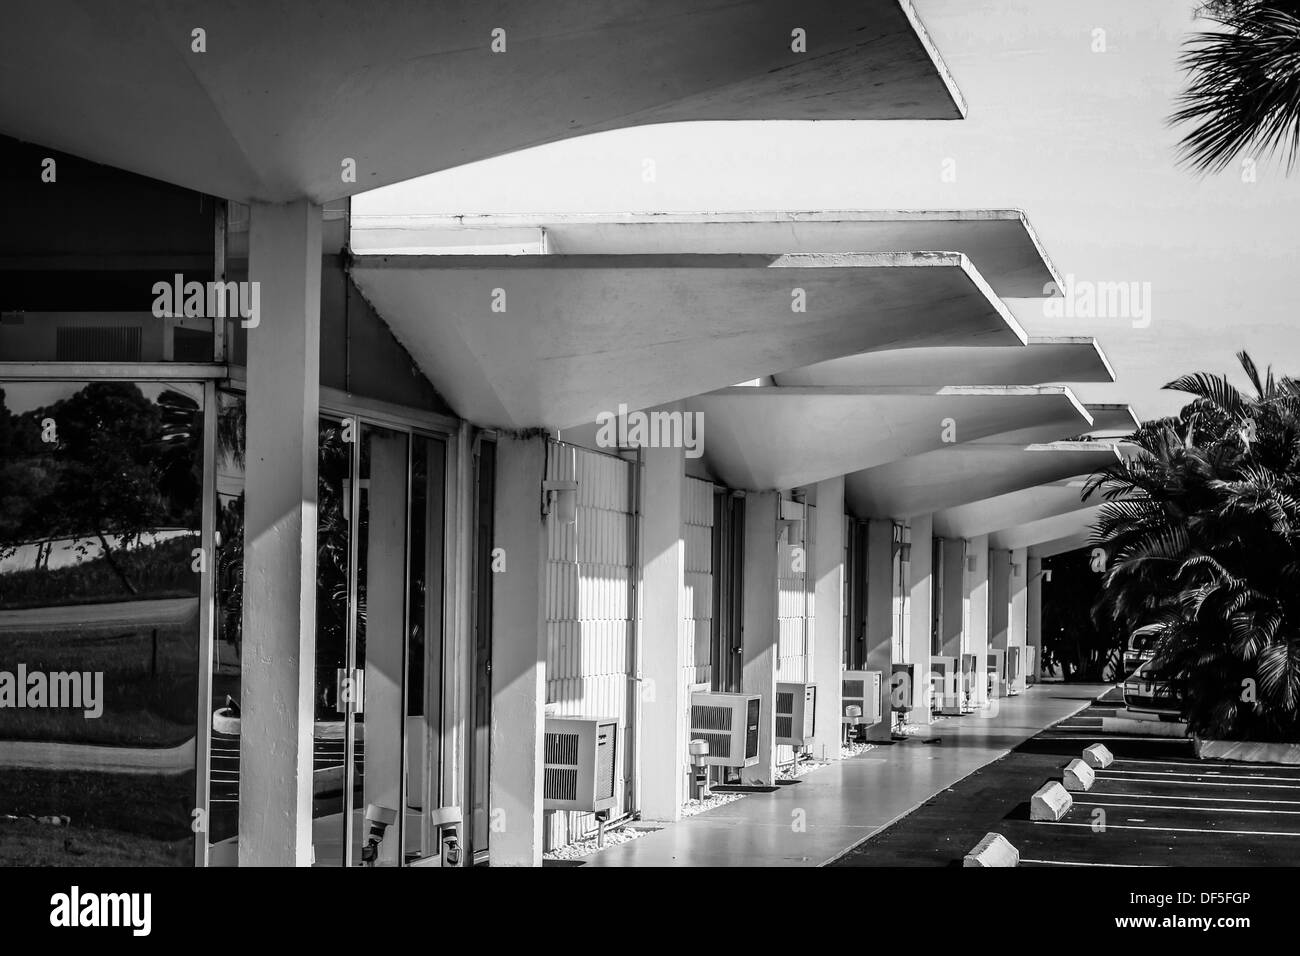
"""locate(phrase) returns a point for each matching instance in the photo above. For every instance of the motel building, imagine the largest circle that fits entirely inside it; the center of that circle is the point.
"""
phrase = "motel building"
(461, 530)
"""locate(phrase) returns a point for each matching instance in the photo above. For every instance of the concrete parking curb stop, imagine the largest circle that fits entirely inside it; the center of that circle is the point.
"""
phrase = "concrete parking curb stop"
(1050, 803)
(993, 850)
(1078, 776)
(1098, 757)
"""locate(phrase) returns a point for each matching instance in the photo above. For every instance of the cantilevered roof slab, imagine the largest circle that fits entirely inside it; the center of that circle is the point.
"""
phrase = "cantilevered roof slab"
(1043, 361)
(1112, 420)
(283, 94)
(1008, 510)
(1000, 242)
(1071, 542)
(758, 438)
(552, 341)
(1059, 526)
(968, 472)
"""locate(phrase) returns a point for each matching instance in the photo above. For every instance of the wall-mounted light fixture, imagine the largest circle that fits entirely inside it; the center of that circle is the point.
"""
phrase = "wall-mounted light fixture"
(560, 500)
(1016, 569)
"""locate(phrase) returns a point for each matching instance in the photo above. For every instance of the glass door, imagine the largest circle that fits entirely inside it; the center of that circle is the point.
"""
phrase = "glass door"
(378, 740)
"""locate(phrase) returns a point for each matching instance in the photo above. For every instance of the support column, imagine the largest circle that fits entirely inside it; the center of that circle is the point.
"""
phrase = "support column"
(277, 698)
(663, 707)
(828, 614)
(954, 594)
(921, 594)
(977, 615)
(518, 655)
(880, 616)
(759, 620)
(1018, 585)
(1034, 615)
(999, 610)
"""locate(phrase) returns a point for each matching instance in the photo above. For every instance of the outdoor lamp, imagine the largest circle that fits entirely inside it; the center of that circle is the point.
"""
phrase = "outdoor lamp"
(699, 751)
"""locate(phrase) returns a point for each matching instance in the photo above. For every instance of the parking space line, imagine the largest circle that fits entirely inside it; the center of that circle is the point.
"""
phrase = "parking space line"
(1177, 773)
(1199, 763)
(1179, 796)
(1142, 866)
(1112, 737)
(1153, 806)
(1119, 826)
(1202, 783)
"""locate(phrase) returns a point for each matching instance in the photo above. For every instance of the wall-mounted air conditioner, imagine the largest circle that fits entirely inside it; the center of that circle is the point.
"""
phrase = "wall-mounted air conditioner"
(581, 763)
(944, 687)
(1014, 672)
(729, 722)
(969, 676)
(901, 686)
(996, 670)
(861, 689)
(796, 705)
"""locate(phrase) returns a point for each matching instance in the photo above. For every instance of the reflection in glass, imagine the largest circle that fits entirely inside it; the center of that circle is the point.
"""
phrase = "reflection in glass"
(100, 489)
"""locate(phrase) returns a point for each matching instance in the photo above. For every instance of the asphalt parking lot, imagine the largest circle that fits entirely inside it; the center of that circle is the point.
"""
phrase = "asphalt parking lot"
(1156, 805)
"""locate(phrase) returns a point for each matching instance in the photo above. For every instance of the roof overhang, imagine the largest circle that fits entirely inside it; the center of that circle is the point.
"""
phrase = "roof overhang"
(1009, 510)
(1071, 542)
(1043, 361)
(1000, 242)
(1112, 420)
(552, 341)
(757, 438)
(968, 472)
(1031, 533)
(284, 94)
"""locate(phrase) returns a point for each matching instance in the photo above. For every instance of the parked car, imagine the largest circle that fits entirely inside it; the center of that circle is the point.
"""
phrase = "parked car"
(1141, 647)
(1150, 689)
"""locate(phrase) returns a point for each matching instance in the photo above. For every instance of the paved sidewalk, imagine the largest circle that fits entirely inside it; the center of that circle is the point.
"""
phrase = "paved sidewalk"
(846, 802)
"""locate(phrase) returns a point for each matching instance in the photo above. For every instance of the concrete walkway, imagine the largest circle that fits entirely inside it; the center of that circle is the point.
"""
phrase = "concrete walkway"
(838, 806)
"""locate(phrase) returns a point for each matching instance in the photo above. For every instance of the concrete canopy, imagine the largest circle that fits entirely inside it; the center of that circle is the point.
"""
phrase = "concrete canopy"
(1050, 549)
(968, 472)
(284, 93)
(762, 438)
(573, 336)
(1000, 242)
(1112, 420)
(1009, 510)
(1042, 361)
(1053, 528)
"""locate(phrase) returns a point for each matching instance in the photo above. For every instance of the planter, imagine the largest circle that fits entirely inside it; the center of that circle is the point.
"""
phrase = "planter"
(223, 722)
(1248, 751)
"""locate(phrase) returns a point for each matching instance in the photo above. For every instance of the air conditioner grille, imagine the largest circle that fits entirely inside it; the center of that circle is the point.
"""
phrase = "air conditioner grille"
(562, 749)
(719, 744)
(560, 784)
(605, 760)
(73, 343)
(784, 703)
(857, 689)
(704, 717)
(751, 727)
(784, 725)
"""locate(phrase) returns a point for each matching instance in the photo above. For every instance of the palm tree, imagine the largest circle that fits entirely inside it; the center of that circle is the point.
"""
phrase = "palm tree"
(1243, 90)
(1202, 525)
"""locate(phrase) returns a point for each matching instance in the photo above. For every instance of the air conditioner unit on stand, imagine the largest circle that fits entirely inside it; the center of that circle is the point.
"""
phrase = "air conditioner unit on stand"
(796, 705)
(580, 764)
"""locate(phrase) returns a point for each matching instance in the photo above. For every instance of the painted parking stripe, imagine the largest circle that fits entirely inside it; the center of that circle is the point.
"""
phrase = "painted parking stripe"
(1178, 773)
(1136, 866)
(1203, 783)
(1179, 796)
(1081, 735)
(1119, 826)
(1199, 763)
(1153, 806)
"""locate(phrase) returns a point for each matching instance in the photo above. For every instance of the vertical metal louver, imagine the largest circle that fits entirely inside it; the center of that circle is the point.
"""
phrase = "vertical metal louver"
(751, 727)
(97, 343)
(606, 763)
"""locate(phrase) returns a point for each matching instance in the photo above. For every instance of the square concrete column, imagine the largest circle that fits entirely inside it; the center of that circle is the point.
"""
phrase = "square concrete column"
(759, 621)
(1034, 616)
(277, 697)
(921, 594)
(1018, 587)
(999, 609)
(977, 612)
(663, 756)
(828, 614)
(953, 597)
(518, 655)
(880, 616)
